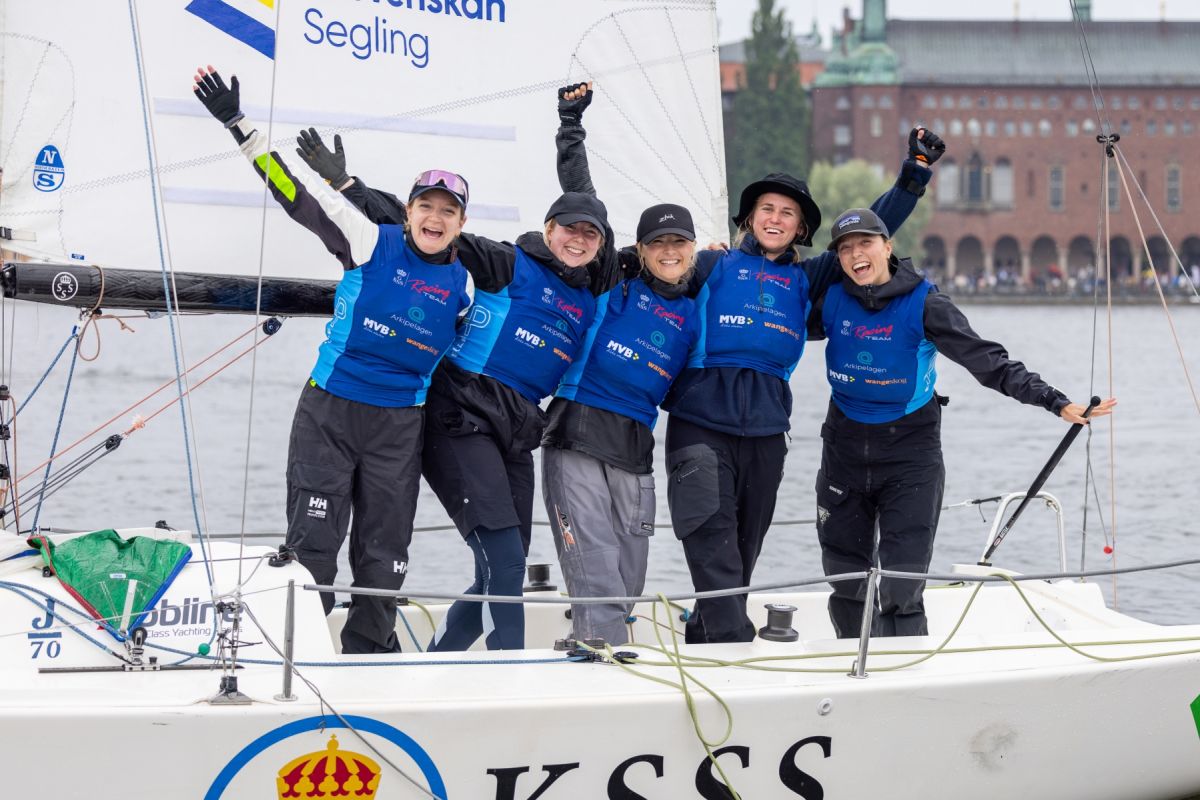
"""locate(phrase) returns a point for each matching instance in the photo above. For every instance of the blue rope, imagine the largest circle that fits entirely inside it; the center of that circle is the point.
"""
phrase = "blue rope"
(46, 374)
(411, 633)
(162, 260)
(62, 412)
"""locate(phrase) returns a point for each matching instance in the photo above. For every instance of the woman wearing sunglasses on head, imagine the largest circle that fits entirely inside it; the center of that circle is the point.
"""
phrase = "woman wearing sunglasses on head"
(355, 449)
(534, 301)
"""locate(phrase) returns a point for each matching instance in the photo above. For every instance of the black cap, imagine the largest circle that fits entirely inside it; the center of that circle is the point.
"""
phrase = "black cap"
(665, 218)
(574, 207)
(784, 184)
(857, 220)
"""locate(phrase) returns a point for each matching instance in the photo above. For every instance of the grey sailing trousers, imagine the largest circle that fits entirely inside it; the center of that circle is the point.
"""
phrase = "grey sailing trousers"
(602, 518)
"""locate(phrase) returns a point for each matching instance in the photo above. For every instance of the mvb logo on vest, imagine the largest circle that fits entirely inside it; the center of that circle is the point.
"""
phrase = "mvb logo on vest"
(378, 328)
(624, 352)
(734, 320)
(529, 338)
(840, 377)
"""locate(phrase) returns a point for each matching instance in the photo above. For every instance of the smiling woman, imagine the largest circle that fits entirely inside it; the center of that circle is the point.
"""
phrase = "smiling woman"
(731, 407)
(534, 301)
(881, 459)
(354, 455)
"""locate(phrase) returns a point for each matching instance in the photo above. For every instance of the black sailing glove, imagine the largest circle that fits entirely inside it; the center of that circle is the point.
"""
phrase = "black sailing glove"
(220, 100)
(571, 111)
(928, 148)
(330, 166)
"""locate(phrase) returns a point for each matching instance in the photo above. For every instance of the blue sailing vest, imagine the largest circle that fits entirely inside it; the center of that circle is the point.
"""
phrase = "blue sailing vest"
(636, 346)
(527, 334)
(752, 314)
(393, 319)
(879, 363)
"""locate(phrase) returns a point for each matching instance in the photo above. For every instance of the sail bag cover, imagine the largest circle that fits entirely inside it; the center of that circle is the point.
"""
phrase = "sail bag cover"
(117, 580)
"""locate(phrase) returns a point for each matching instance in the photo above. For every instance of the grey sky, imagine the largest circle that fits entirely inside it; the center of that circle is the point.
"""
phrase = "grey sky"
(734, 15)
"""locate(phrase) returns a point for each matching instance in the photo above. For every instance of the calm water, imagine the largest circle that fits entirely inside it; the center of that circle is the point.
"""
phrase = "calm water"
(992, 445)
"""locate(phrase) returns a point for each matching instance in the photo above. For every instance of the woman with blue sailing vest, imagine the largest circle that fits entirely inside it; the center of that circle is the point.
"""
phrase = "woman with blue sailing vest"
(881, 457)
(354, 453)
(534, 302)
(597, 454)
(730, 409)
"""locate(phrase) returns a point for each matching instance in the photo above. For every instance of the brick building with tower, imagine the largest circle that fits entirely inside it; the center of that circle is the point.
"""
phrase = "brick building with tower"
(1017, 198)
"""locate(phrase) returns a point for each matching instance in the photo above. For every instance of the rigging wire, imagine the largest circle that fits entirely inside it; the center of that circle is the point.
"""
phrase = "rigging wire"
(141, 421)
(1157, 285)
(262, 250)
(1100, 110)
(169, 292)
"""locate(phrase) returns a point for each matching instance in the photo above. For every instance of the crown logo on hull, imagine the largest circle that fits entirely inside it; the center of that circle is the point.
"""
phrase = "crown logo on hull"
(329, 773)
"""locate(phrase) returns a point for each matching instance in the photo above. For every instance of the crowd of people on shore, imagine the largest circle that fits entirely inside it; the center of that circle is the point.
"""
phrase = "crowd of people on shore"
(444, 345)
(1054, 283)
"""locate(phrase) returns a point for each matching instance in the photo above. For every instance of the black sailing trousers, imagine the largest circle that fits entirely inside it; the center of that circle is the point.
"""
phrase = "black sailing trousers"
(348, 456)
(889, 475)
(721, 490)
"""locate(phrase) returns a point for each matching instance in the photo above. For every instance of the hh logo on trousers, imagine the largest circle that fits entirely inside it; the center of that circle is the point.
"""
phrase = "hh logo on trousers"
(317, 506)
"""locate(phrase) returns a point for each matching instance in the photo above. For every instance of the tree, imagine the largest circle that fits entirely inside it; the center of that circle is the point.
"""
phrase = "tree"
(769, 127)
(856, 184)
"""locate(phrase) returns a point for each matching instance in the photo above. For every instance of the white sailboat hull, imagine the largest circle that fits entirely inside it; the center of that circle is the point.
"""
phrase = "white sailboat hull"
(1002, 720)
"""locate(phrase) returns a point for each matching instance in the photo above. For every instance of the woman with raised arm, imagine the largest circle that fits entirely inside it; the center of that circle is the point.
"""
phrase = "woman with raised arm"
(534, 302)
(597, 454)
(355, 451)
(881, 456)
(731, 407)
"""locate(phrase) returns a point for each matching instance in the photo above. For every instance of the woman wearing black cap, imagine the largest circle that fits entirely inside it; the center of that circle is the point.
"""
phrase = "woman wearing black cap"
(534, 301)
(881, 457)
(597, 453)
(354, 454)
(730, 408)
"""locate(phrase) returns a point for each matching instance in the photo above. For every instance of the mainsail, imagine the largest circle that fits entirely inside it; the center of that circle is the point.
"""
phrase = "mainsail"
(108, 159)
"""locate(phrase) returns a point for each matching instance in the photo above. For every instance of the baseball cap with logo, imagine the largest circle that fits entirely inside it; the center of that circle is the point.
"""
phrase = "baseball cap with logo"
(663, 219)
(857, 220)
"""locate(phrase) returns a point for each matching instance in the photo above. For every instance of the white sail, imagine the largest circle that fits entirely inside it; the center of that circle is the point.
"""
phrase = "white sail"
(108, 157)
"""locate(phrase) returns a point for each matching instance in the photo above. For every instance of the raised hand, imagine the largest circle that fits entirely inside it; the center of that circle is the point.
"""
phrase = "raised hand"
(925, 146)
(572, 100)
(330, 166)
(221, 101)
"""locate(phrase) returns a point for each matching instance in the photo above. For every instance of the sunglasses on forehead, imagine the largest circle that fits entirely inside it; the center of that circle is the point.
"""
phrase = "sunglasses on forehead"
(441, 179)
